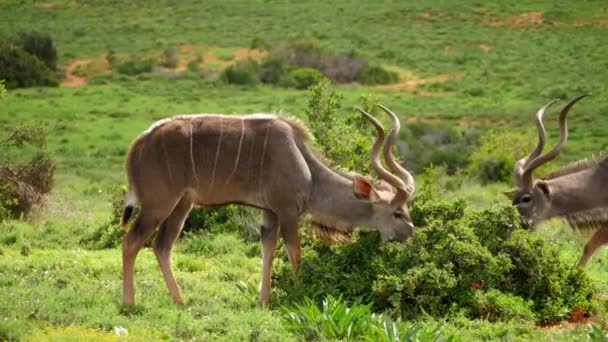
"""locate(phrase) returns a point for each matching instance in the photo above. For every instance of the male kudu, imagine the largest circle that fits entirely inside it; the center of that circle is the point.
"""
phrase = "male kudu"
(261, 161)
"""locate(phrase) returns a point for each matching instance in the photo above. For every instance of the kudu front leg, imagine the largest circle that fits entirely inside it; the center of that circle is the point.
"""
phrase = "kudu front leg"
(598, 239)
(289, 231)
(269, 232)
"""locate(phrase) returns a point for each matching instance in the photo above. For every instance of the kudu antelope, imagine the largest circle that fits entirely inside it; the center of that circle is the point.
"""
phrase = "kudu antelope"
(577, 192)
(261, 161)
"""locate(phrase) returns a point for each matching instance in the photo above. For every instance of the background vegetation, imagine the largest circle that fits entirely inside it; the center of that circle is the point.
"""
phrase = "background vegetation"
(466, 78)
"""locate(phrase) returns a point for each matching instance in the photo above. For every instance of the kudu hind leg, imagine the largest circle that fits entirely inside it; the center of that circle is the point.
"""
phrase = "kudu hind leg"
(269, 232)
(164, 241)
(144, 226)
(598, 239)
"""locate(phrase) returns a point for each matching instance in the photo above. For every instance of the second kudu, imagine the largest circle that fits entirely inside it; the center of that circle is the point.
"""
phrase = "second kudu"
(577, 192)
(262, 161)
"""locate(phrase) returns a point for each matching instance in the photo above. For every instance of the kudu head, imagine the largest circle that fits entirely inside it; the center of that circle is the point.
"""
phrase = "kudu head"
(533, 197)
(390, 214)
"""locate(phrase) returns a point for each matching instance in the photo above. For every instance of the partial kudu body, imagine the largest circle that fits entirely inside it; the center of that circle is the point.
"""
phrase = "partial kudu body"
(578, 193)
(259, 160)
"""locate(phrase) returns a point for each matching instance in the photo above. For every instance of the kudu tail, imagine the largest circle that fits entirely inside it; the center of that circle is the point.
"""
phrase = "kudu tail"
(130, 202)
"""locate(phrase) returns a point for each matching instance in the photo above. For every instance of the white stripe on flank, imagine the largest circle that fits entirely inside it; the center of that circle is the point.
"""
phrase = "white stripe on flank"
(264, 154)
(162, 141)
(192, 155)
(238, 153)
(217, 154)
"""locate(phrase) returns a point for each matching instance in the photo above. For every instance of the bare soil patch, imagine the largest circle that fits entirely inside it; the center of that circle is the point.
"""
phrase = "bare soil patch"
(71, 79)
(522, 20)
(410, 81)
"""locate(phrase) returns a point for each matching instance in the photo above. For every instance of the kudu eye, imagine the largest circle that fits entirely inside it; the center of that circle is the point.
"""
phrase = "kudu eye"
(398, 215)
(526, 199)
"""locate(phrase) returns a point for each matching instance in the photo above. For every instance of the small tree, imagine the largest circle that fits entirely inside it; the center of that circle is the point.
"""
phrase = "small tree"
(40, 45)
(23, 184)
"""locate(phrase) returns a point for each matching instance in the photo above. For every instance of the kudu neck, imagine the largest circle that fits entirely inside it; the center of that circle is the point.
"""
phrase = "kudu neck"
(580, 191)
(333, 202)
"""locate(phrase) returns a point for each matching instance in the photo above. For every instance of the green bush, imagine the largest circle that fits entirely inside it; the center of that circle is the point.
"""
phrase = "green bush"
(135, 65)
(40, 45)
(238, 219)
(21, 69)
(427, 144)
(169, 58)
(2, 89)
(375, 74)
(272, 69)
(497, 153)
(23, 183)
(448, 267)
(332, 129)
(259, 43)
(109, 234)
(303, 78)
(244, 73)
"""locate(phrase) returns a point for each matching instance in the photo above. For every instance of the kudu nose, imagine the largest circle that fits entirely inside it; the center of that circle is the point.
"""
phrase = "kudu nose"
(402, 235)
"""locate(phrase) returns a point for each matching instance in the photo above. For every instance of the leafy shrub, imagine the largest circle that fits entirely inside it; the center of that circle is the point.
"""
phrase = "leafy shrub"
(497, 153)
(272, 69)
(135, 65)
(336, 320)
(40, 45)
(21, 69)
(331, 132)
(441, 269)
(302, 78)
(109, 234)
(170, 58)
(375, 74)
(494, 305)
(225, 219)
(24, 183)
(259, 43)
(424, 144)
(244, 73)
(2, 89)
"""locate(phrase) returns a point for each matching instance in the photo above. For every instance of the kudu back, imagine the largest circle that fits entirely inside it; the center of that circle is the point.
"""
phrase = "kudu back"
(259, 160)
(577, 193)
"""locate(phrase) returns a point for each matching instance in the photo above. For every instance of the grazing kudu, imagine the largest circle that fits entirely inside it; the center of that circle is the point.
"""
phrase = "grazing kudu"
(578, 193)
(261, 161)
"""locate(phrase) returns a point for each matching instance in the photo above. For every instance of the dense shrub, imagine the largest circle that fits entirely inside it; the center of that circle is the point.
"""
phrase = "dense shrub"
(302, 78)
(259, 43)
(423, 144)
(446, 268)
(109, 234)
(21, 69)
(169, 58)
(40, 45)
(135, 65)
(497, 153)
(244, 221)
(375, 74)
(272, 69)
(332, 129)
(23, 183)
(225, 219)
(244, 73)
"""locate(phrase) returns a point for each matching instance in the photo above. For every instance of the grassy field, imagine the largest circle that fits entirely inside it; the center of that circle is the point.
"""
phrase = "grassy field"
(465, 64)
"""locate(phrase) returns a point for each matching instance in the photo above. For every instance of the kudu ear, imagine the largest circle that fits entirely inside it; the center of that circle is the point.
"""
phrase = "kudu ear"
(544, 187)
(511, 193)
(363, 189)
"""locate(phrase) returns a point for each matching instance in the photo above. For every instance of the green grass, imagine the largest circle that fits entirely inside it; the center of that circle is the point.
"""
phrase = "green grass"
(52, 288)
